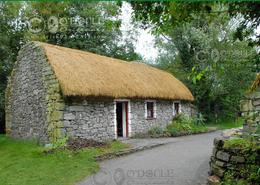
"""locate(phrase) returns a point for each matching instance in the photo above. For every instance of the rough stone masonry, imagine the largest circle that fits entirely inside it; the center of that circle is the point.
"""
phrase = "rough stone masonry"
(225, 159)
(36, 107)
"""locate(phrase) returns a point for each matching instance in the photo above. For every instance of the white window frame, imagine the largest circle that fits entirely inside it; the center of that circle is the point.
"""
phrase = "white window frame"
(154, 109)
(173, 107)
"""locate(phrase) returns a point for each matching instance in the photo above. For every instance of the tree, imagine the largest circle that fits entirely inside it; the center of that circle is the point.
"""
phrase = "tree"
(11, 38)
(94, 27)
(251, 20)
(201, 50)
(164, 16)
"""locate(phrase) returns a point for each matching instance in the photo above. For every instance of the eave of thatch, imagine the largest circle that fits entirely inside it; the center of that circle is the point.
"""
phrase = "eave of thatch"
(82, 73)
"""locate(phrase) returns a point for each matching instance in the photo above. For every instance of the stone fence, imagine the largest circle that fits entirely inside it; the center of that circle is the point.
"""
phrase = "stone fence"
(224, 159)
(250, 109)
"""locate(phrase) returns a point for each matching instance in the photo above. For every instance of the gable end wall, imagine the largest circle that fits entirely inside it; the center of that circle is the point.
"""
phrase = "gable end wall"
(33, 100)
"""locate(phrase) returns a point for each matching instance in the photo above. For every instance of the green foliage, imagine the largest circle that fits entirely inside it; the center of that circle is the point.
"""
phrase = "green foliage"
(252, 173)
(60, 142)
(243, 144)
(199, 48)
(246, 175)
(11, 37)
(167, 15)
(184, 125)
(212, 68)
(199, 119)
(24, 163)
(249, 172)
(250, 12)
(113, 147)
(156, 132)
(117, 146)
(181, 125)
(223, 124)
(229, 179)
(238, 143)
(173, 131)
(100, 33)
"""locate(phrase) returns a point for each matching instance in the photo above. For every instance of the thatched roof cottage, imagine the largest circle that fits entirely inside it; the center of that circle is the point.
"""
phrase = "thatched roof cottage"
(55, 92)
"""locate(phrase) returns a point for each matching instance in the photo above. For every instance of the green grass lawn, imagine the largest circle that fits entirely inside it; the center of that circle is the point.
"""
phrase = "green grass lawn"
(24, 163)
(227, 124)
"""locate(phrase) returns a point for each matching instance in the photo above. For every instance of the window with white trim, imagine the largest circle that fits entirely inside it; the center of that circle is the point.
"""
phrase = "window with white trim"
(150, 109)
(176, 108)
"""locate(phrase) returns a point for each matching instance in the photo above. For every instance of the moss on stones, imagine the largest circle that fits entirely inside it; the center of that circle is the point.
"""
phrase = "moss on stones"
(34, 102)
(55, 103)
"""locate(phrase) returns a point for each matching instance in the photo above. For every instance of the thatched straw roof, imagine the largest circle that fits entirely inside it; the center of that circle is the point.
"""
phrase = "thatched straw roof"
(83, 73)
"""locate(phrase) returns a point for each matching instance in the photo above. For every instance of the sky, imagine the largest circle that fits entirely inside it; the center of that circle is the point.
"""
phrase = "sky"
(145, 41)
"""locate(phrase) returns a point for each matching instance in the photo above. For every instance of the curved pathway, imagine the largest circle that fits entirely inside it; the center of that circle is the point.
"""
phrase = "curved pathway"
(184, 161)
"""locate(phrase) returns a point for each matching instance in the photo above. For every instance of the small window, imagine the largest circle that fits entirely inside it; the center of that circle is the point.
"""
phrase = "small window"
(150, 109)
(176, 108)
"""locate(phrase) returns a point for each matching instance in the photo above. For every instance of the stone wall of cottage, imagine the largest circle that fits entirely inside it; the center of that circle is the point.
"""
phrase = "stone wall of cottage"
(188, 108)
(33, 99)
(164, 115)
(95, 118)
(140, 124)
(90, 119)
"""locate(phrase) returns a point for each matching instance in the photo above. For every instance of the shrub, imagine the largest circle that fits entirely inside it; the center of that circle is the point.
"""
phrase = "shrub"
(184, 125)
(199, 119)
(246, 175)
(241, 143)
(181, 125)
(173, 131)
(184, 119)
(156, 132)
(229, 179)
